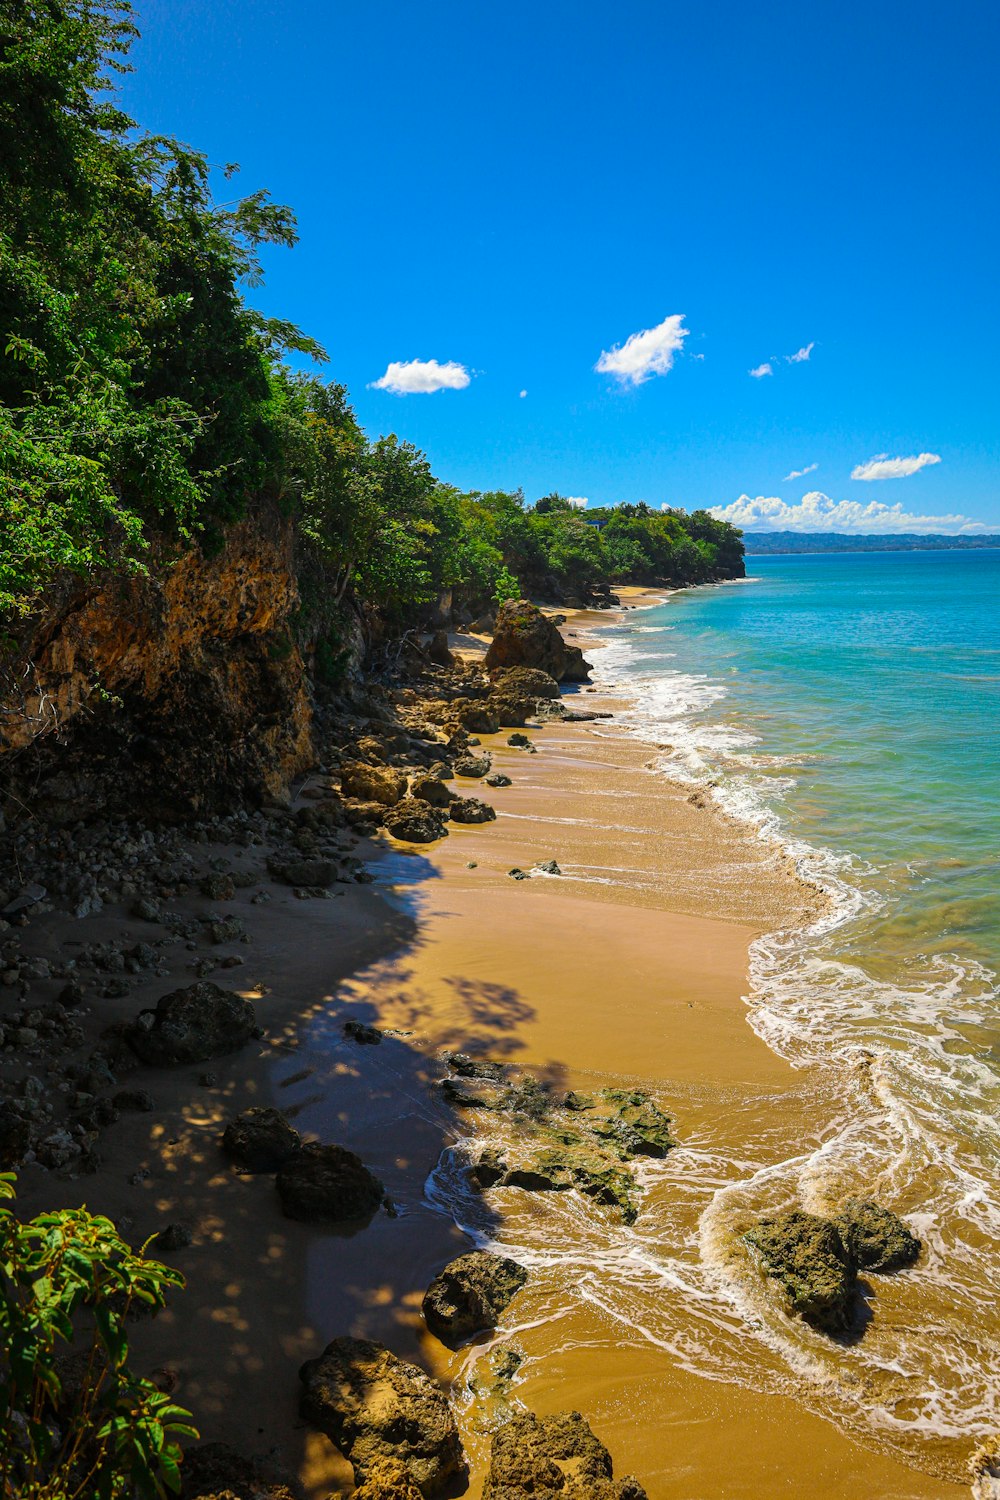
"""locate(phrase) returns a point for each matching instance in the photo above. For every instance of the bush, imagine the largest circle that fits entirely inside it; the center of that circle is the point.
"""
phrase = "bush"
(76, 1423)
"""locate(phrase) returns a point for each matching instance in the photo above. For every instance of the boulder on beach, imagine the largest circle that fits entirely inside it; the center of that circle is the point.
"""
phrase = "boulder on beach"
(373, 783)
(518, 693)
(498, 779)
(525, 637)
(260, 1140)
(375, 1407)
(327, 1185)
(553, 1458)
(191, 1025)
(875, 1238)
(806, 1256)
(629, 1120)
(431, 789)
(469, 1294)
(471, 810)
(438, 651)
(473, 766)
(415, 822)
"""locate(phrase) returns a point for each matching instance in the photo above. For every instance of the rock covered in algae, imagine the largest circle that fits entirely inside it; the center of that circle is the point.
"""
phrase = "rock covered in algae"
(470, 1293)
(806, 1256)
(376, 1407)
(875, 1238)
(553, 1458)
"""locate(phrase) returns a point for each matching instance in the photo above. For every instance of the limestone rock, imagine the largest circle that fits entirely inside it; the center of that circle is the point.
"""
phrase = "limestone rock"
(327, 1185)
(478, 718)
(470, 1294)
(191, 1025)
(498, 779)
(471, 810)
(525, 637)
(553, 1458)
(874, 1238)
(556, 1163)
(374, 1407)
(415, 822)
(806, 1256)
(260, 1140)
(373, 783)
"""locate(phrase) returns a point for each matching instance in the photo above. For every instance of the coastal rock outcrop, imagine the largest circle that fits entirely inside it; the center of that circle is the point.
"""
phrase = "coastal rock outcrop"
(375, 1407)
(518, 693)
(525, 637)
(553, 1458)
(387, 1479)
(260, 1140)
(875, 1238)
(191, 1025)
(469, 1294)
(327, 1185)
(414, 821)
(807, 1258)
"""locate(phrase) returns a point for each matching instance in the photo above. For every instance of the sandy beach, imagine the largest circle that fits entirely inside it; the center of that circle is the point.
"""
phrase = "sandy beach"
(630, 966)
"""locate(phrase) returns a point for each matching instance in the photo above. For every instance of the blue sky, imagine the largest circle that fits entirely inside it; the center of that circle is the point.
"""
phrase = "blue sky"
(517, 189)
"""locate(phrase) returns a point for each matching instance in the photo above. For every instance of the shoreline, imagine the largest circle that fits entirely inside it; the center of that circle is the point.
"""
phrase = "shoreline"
(564, 975)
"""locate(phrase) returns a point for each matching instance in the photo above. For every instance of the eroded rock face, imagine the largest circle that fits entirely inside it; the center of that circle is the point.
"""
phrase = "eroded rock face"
(415, 822)
(470, 1294)
(525, 637)
(520, 693)
(327, 1185)
(806, 1256)
(471, 810)
(874, 1238)
(553, 1458)
(373, 783)
(191, 1025)
(260, 1140)
(375, 1408)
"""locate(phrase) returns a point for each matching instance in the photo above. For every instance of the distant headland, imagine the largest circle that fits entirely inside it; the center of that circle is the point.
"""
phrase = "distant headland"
(761, 543)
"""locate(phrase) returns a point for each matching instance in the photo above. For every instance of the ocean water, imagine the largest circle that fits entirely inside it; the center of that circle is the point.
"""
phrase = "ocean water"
(849, 706)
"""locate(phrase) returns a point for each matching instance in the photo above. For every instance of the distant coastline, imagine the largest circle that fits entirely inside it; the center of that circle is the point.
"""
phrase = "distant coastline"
(763, 543)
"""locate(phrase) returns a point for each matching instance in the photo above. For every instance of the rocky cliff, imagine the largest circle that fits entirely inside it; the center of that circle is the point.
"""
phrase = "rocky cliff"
(182, 690)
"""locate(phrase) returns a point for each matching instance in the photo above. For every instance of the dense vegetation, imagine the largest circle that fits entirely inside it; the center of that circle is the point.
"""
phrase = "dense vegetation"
(144, 404)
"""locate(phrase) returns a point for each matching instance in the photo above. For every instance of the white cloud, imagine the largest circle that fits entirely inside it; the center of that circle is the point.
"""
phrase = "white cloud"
(884, 467)
(817, 512)
(579, 502)
(697, 356)
(800, 355)
(644, 354)
(761, 370)
(522, 394)
(800, 473)
(421, 377)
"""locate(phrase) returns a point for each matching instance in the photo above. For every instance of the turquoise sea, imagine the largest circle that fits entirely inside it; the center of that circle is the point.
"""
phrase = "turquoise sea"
(848, 706)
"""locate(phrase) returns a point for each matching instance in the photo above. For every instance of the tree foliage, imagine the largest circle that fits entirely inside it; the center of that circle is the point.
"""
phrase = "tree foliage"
(142, 401)
(76, 1422)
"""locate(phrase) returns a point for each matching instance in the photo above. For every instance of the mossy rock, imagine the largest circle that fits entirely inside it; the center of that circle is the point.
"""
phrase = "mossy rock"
(808, 1259)
(874, 1237)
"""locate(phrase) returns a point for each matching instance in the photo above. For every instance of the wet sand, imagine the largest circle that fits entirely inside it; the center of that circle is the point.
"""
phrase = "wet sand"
(639, 979)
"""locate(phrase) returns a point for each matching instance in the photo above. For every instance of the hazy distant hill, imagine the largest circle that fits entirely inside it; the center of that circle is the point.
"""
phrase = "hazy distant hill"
(762, 542)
